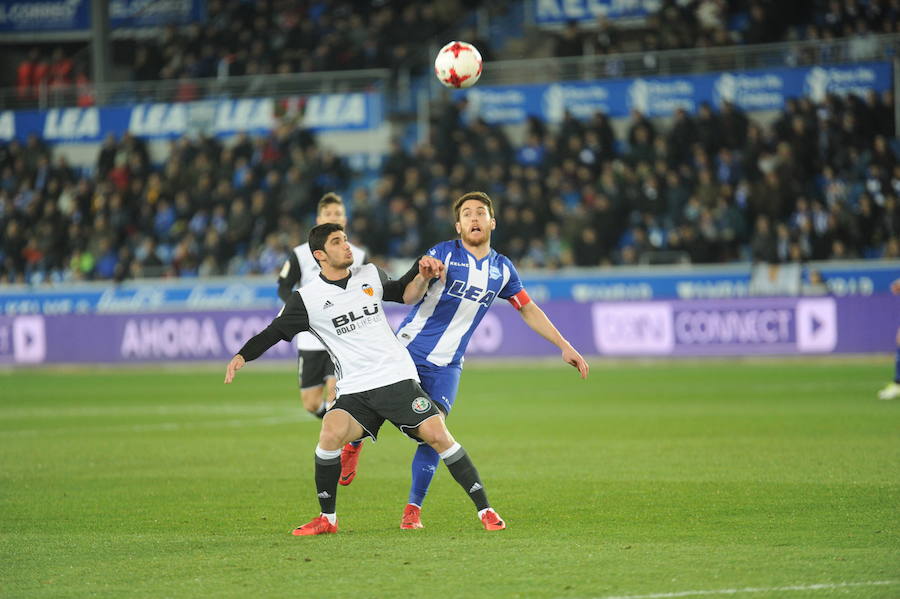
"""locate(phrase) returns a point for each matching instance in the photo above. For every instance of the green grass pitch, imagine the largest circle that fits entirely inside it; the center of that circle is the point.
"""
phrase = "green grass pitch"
(756, 479)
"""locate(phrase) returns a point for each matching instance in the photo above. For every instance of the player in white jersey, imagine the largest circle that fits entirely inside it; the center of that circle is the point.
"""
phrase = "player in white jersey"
(314, 368)
(892, 390)
(437, 331)
(376, 377)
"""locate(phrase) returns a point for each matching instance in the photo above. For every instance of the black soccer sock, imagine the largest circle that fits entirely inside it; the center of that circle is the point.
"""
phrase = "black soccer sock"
(328, 471)
(463, 470)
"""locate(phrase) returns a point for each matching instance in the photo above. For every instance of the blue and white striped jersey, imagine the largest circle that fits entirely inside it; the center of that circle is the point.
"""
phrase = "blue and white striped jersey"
(438, 328)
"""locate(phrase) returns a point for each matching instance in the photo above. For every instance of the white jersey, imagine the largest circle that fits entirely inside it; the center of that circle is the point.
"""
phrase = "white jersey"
(351, 324)
(309, 272)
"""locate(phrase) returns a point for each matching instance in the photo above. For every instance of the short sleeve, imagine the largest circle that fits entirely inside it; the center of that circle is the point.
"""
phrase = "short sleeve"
(513, 283)
(435, 251)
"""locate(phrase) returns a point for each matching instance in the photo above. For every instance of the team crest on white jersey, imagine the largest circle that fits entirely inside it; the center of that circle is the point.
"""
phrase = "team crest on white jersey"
(367, 289)
(354, 331)
(495, 272)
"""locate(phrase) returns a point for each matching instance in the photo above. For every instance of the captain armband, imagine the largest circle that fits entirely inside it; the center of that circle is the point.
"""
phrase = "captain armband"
(519, 300)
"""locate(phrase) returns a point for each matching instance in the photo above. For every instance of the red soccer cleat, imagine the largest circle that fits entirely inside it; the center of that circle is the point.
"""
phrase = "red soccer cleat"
(317, 526)
(349, 460)
(491, 520)
(411, 517)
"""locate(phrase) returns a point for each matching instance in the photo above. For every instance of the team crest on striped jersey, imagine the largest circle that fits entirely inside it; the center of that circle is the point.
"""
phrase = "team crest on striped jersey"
(367, 289)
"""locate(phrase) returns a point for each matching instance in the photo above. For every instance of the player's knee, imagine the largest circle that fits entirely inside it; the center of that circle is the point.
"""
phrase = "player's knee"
(330, 437)
(434, 432)
(311, 399)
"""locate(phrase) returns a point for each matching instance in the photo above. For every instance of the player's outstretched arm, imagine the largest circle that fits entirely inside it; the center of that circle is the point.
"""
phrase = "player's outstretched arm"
(410, 288)
(429, 268)
(535, 318)
(254, 348)
(236, 364)
(292, 319)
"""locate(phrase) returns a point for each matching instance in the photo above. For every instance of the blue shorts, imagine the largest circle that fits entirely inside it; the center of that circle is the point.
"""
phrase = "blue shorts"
(440, 382)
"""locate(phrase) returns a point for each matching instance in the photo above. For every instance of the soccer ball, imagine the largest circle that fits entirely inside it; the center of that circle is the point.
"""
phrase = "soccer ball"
(458, 64)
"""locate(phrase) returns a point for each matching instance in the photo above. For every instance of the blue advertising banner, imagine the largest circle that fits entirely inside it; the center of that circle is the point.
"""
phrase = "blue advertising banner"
(616, 285)
(324, 112)
(75, 15)
(63, 15)
(766, 89)
(555, 12)
(151, 13)
(859, 278)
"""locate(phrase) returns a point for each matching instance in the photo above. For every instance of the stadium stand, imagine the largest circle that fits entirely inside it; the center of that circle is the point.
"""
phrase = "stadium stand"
(280, 37)
(821, 183)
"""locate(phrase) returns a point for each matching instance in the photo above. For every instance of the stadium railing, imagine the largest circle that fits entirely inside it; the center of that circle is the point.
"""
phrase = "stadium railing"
(696, 60)
(531, 70)
(171, 90)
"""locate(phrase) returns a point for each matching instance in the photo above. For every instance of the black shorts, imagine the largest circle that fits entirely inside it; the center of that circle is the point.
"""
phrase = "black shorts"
(313, 367)
(404, 404)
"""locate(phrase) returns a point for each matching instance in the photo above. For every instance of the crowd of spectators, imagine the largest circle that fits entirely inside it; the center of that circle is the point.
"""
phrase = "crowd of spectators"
(241, 38)
(207, 210)
(282, 37)
(265, 37)
(257, 39)
(55, 75)
(821, 182)
(682, 24)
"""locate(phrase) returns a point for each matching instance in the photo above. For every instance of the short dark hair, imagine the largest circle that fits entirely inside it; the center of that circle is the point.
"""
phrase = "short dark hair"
(473, 195)
(327, 199)
(319, 234)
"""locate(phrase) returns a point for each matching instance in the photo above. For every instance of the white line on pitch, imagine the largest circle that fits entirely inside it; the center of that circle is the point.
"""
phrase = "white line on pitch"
(807, 587)
(89, 411)
(163, 426)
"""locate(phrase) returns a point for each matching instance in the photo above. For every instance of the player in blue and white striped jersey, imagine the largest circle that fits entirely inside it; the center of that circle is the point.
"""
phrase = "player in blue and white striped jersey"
(437, 330)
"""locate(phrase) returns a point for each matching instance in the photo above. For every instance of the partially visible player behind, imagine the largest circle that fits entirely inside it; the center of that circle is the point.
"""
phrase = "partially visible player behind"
(437, 330)
(314, 367)
(892, 390)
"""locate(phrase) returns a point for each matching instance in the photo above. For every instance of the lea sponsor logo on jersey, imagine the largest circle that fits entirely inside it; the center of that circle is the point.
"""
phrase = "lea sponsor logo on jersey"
(471, 292)
(357, 319)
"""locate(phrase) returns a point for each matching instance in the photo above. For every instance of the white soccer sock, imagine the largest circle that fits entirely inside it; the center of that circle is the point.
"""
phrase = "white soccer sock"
(327, 454)
(453, 449)
(332, 518)
(481, 513)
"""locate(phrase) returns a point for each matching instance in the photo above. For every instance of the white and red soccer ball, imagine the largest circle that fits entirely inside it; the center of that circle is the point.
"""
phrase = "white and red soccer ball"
(458, 64)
